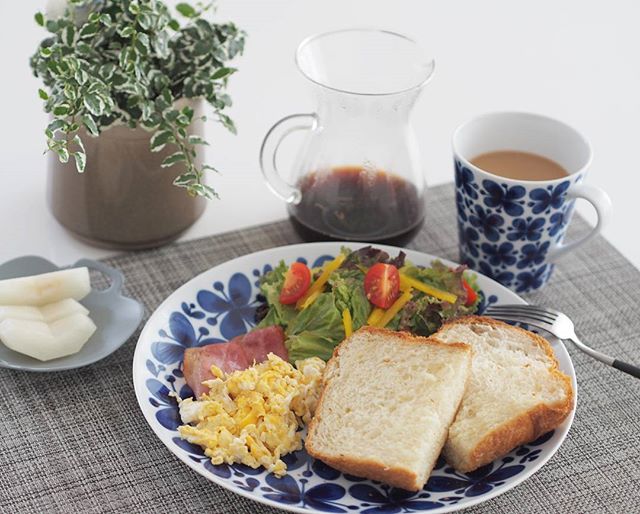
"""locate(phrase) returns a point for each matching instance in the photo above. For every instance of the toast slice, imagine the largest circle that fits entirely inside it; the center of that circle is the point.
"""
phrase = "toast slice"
(516, 392)
(386, 406)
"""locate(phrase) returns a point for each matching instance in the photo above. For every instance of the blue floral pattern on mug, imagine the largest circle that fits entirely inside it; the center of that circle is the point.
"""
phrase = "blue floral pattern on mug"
(506, 230)
(503, 197)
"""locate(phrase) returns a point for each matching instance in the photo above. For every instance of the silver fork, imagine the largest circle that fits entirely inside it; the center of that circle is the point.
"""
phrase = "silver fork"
(557, 324)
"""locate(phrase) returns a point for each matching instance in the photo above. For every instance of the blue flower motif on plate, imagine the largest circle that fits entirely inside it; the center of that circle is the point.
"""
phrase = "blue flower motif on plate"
(526, 229)
(182, 336)
(236, 307)
(486, 221)
(475, 483)
(388, 500)
(309, 484)
(465, 180)
(551, 197)
(503, 197)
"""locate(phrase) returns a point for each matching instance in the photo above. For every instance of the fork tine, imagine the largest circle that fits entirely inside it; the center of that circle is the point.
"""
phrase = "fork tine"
(547, 318)
(524, 319)
(523, 308)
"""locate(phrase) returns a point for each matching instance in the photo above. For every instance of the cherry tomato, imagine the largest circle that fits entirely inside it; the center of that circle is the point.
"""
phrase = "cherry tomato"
(472, 296)
(382, 285)
(297, 280)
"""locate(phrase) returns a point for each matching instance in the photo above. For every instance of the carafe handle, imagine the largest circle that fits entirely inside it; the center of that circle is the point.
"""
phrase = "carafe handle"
(269, 153)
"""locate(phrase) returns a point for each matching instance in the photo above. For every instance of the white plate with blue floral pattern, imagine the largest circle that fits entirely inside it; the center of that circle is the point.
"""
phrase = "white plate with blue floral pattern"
(220, 304)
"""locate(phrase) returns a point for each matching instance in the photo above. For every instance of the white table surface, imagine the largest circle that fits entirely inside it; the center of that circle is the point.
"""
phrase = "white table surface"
(575, 60)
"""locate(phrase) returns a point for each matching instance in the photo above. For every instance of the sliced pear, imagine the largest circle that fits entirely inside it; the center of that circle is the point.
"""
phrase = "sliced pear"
(38, 290)
(58, 310)
(47, 313)
(44, 341)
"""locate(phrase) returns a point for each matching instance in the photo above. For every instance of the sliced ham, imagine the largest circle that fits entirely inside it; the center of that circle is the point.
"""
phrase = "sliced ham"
(238, 354)
(259, 343)
(198, 361)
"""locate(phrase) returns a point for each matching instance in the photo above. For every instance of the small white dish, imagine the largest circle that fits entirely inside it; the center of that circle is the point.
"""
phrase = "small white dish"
(116, 316)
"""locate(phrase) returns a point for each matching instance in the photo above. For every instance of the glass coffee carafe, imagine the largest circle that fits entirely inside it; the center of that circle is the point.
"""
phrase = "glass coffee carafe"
(358, 174)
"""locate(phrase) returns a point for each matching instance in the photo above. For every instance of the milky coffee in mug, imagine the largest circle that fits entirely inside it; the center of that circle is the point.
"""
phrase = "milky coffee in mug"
(517, 178)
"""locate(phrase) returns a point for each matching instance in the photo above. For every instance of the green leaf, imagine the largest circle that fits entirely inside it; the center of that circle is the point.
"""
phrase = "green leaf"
(81, 76)
(45, 52)
(228, 123)
(69, 35)
(223, 72)
(173, 159)
(202, 47)
(167, 96)
(134, 7)
(54, 126)
(90, 125)
(81, 161)
(142, 43)
(61, 110)
(186, 10)
(173, 24)
(70, 91)
(83, 48)
(43, 94)
(202, 190)
(208, 167)
(63, 153)
(160, 139)
(145, 21)
(52, 26)
(105, 19)
(185, 179)
(94, 104)
(39, 17)
(126, 32)
(196, 140)
(78, 141)
(88, 30)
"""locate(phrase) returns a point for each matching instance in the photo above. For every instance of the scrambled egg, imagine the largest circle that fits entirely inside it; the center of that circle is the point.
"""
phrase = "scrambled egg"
(252, 416)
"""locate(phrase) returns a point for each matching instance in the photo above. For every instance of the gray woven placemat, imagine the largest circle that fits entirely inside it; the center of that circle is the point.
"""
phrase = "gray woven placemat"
(76, 441)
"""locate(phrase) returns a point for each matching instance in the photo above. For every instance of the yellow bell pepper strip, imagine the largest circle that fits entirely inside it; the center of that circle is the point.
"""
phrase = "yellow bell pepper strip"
(329, 268)
(375, 316)
(310, 300)
(347, 322)
(395, 308)
(408, 282)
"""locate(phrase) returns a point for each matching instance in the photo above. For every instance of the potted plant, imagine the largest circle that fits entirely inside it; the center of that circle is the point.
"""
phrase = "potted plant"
(125, 82)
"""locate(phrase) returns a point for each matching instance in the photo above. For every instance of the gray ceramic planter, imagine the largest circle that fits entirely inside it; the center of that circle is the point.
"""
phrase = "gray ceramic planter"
(124, 199)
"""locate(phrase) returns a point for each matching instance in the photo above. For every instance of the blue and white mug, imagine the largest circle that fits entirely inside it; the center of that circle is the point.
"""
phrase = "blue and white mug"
(513, 230)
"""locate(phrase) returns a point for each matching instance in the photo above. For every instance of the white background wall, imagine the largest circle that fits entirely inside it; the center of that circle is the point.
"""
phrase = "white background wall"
(575, 60)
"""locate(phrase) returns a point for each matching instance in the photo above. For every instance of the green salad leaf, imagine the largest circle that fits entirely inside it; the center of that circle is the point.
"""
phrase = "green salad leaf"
(316, 330)
(347, 287)
(270, 287)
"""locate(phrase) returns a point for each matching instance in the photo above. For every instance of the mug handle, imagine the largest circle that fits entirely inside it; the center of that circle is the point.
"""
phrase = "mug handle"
(269, 153)
(601, 203)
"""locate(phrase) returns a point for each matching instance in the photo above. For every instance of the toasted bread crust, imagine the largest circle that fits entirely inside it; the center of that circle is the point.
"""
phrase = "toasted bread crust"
(524, 428)
(395, 476)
